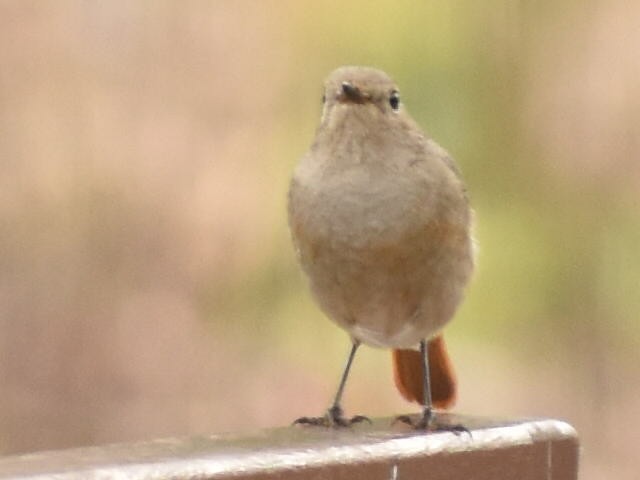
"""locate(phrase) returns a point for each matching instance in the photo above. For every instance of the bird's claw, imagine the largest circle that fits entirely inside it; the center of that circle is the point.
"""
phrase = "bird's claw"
(429, 422)
(333, 418)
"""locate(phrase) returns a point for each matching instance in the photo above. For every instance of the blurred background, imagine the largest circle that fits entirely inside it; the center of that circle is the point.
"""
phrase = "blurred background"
(148, 287)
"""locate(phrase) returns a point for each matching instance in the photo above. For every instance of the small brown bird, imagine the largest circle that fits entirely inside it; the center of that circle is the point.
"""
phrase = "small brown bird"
(382, 226)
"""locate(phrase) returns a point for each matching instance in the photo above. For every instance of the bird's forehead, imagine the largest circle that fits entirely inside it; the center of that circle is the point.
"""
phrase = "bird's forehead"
(365, 78)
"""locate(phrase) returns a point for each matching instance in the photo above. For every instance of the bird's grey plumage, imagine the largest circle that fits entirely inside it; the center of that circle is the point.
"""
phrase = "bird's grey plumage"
(379, 216)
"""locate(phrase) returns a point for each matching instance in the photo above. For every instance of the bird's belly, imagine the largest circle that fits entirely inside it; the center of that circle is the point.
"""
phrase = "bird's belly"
(392, 295)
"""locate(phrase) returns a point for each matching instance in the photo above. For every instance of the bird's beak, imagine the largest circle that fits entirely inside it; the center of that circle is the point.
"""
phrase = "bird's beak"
(351, 93)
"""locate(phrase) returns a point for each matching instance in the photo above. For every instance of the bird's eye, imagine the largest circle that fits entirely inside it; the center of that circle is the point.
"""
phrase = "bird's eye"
(324, 98)
(394, 100)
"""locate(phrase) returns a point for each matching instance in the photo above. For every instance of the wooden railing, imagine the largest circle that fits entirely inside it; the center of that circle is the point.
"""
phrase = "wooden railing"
(506, 450)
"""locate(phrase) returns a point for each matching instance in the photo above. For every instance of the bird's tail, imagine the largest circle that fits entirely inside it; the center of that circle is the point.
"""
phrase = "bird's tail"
(408, 374)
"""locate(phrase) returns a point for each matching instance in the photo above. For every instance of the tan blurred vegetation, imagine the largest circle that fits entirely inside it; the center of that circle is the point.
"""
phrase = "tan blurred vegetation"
(147, 284)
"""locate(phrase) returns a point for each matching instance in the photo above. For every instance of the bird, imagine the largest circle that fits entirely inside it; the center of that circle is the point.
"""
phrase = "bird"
(382, 227)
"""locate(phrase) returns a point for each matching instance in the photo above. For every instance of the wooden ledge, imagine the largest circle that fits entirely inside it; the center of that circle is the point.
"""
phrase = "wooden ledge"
(518, 450)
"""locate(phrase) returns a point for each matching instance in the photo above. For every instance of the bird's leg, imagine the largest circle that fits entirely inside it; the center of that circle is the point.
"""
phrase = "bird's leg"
(334, 416)
(429, 420)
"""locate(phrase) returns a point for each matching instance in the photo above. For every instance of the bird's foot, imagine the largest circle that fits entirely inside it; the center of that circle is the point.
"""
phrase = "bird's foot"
(333, 418)
(429, 421)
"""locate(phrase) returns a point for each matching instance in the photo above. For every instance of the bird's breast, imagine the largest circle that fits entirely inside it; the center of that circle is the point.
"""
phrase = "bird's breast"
(385, 260)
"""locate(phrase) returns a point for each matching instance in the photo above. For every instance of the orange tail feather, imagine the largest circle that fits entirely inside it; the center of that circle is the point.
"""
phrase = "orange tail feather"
(408, 376)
